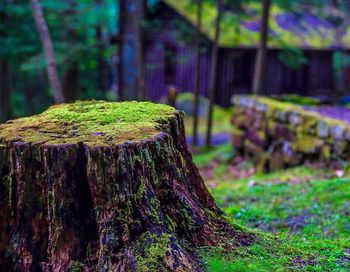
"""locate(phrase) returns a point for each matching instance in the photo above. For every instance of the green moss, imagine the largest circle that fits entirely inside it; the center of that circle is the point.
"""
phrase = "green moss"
(141, 191)
(298, 99)
(237, 132)
(261, 134)
(154, 253)
(271, 107)
(91, 122)
(307, 144)
(76, 266)
(325, 152)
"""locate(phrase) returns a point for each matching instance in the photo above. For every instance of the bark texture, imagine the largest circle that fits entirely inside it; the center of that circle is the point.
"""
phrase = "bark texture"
(214, 70)
(261, 55)
(139, 9)
(197, 72)
(4, 91)
(121, 23)
(5, 111)
(133, 206)
(102, 66)
(48, 51)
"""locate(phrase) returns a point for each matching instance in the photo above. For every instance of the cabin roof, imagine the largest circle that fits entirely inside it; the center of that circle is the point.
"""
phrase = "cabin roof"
(300, 28)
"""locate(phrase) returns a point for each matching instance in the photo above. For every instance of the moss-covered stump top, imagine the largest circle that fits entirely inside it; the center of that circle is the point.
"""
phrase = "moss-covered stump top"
(90, 122)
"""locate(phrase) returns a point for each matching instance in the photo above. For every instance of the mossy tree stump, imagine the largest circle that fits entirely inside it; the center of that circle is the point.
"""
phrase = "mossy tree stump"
(97, 186)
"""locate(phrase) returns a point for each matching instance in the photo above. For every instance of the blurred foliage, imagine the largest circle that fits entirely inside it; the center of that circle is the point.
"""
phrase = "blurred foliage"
(72, 25)
(292, 57)
(296, 23)
(298, 99)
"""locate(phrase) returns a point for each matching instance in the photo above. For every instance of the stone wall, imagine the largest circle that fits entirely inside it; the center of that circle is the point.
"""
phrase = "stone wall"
(276, 134)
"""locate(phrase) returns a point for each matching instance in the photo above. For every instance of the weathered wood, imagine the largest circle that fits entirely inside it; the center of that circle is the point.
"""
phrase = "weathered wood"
(103, 187)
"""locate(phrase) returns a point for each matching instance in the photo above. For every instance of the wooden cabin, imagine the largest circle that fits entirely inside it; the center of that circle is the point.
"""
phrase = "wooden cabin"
(170, 54)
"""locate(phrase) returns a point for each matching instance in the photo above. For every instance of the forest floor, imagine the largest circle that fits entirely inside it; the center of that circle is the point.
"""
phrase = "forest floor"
(302, 214)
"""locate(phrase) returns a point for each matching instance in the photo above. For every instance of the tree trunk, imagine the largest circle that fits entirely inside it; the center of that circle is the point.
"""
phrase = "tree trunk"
(101, 63)
(121, 27)
(213, 73)
(4, 73)
(260, 62)
(79, 190)
(71, 70)
(46, 41)
(197, 74)
(71, 81)
(29, 90)
(342, 79)
(139, 27)
(4, 91)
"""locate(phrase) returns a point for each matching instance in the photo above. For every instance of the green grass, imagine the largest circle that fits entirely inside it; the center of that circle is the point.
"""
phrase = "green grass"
(302, 214)
(306, 208)
(221, 122)
(207, 155)
(281, 255)
(284, 202)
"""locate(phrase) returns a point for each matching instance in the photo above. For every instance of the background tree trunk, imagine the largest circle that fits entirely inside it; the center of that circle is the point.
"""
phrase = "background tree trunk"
(5, 111)
(46, 41)
(70, 77)
(102, 83)
(121, 32)
(71, 81)
(4, 73)
(105, 207)
(213, 73)
(4, 91)
(261, 56)
(197, 74)
(341, 84)
(29, 91)
(139, 7)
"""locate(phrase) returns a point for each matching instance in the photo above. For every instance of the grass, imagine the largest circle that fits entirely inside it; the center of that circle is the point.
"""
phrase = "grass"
(306, 208)
(302, 214)
(297, 200)
(289, 203)
(221, 122)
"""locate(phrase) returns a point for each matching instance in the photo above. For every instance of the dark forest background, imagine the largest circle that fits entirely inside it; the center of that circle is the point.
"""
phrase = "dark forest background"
(87, 37)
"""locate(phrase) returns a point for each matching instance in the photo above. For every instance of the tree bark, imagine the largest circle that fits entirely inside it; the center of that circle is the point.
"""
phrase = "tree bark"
(29, 91)
(342, 80)
(197, 73)
(120, 54)
(4, 75)
(102, 84)
(71, 81)
(261, 56)
(214, 72)
(70, 77)
(127, 206)
(139, 31)
(46, 41)
(4, 91)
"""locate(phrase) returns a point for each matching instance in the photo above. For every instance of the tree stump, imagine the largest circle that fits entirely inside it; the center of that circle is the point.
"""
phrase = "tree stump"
(98, 186)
